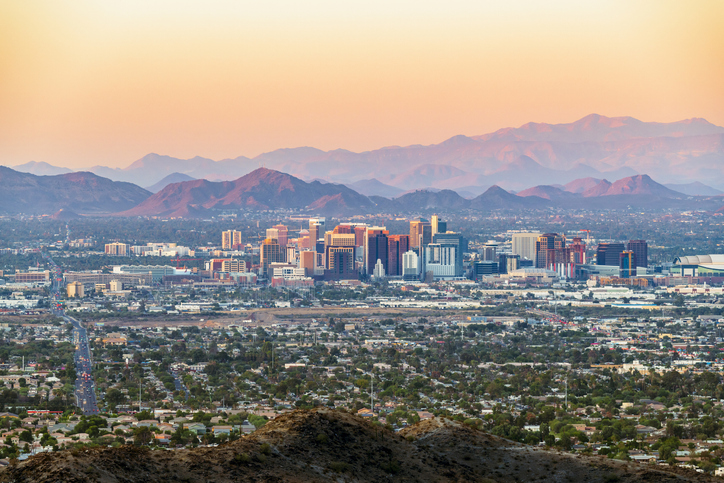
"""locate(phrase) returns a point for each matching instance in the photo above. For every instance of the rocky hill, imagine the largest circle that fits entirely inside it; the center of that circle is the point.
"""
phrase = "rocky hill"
(79, 192)
(326, 445)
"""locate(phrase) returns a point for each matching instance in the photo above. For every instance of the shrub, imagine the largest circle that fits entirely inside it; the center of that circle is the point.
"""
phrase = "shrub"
(322, 438)
(339, 466)
(391, 467)
(243, 458)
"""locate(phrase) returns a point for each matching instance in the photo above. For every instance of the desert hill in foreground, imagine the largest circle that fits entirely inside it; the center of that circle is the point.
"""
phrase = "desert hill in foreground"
(327, 445)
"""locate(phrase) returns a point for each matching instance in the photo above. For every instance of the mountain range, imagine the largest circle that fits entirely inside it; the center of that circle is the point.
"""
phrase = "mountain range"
(265, 189)
(262, 189)
(71, 194)
(74, 192)
(595, 146)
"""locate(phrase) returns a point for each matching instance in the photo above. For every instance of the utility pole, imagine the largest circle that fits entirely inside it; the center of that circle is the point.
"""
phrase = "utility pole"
(140, 389)
(566, 393)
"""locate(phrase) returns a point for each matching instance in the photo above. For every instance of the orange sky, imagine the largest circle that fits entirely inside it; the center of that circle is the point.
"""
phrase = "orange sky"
(87, 82)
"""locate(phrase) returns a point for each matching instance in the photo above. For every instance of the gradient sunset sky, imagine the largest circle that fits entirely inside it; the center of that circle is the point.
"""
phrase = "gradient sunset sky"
(86, 83)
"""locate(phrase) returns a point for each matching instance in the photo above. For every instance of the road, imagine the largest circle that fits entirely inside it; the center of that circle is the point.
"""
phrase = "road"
(178, 384)
(85, 394)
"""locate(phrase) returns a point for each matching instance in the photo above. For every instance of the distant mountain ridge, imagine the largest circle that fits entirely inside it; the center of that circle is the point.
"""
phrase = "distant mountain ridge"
(592, 188)
(514, 158)
(170, 179)
(265, 189)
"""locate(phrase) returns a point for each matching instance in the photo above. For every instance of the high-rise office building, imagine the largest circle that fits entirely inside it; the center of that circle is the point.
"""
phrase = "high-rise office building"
(230, 239)
(270, 252)
(524, 245)
(433, 223)
(507, 262)
(282, 234)
(437, 225)
(641, 250)
(398, 245)
(441, 260)
(358, 229)
(339, 239)
(316, 230)
(410, 266)
(489, 251)
(627, 264)
(340, 262)
(306, 261)
(485, 267)
(273, 233)
(292, 254)
(578, 251)
(455, 240)
(333, 241)
(420, 233)
(609, 253)
(359, 235)
(549, 250)
(375, 248)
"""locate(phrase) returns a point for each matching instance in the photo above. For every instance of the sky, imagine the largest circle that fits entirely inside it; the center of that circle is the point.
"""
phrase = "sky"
(87, 83)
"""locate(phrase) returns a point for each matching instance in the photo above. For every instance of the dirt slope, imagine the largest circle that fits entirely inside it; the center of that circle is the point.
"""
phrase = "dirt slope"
(326, 445)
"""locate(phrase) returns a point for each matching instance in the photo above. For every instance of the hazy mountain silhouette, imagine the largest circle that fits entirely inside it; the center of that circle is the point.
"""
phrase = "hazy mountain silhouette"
(513, 158)
(78, 192)
(170, 179)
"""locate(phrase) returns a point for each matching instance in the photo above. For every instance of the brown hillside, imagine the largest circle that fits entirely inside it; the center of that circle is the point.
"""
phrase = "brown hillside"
(261, 189)
(327, 445)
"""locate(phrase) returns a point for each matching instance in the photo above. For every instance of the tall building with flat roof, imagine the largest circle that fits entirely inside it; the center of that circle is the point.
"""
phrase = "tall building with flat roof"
(420, 233)
(609, 253)
(548, 250)
(282, 234)
(270, 252)
(441, 260)
(306, 261)
(455, 240)
(117, 249)
(316, 229)
(398, 245)
(627, 264)
(340, 263)
(641, 250)
(410, 265)
(524, 245)
(375, 248)
(75, 290)
(230, 239)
